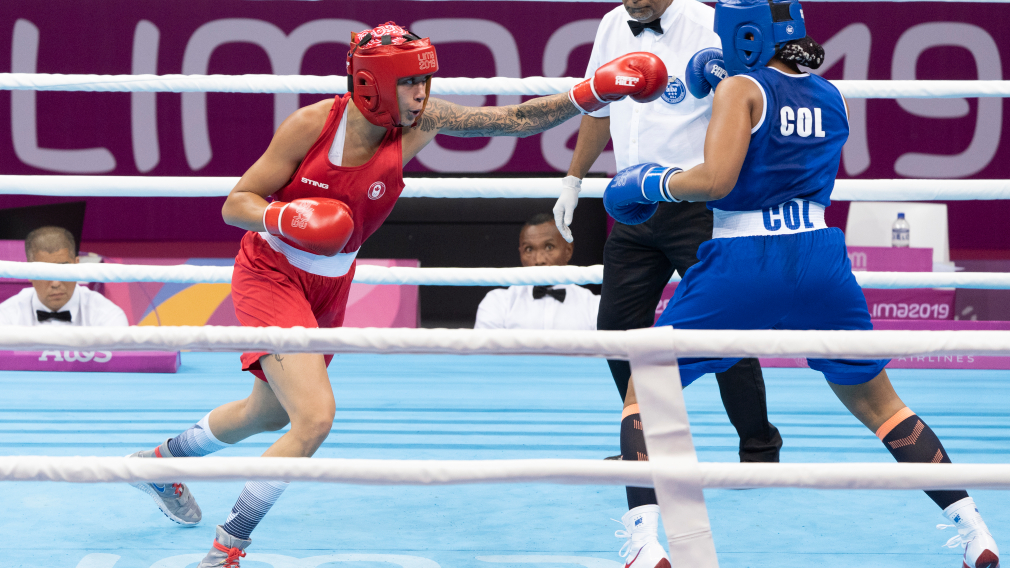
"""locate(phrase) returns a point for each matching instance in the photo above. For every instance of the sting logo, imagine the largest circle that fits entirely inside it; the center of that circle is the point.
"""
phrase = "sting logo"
(315, 183)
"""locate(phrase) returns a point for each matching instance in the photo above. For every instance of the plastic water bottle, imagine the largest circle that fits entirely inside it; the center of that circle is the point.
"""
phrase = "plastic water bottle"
(899, 232)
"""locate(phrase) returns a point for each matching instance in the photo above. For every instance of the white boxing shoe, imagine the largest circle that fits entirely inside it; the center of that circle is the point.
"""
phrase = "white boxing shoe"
(226, 551)
(980, 550)
(642, 549)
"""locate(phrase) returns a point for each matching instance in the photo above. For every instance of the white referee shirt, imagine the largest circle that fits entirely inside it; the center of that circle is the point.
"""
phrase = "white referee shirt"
(87, 308)
(669, 131)
(515, 308)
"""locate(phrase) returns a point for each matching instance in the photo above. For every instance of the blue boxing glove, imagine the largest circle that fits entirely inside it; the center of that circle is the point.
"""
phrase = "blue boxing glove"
(704, 71)
(631, 196)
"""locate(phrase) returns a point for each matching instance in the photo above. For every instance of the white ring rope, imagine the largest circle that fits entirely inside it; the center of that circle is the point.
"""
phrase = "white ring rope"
(88, 469)
(364, 274)
(402, 275)
(313, 84)
(665, 342)
(543, 188)
(337, 84)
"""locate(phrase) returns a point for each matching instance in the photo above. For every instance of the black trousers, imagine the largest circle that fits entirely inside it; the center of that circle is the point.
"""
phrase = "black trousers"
(638, 261)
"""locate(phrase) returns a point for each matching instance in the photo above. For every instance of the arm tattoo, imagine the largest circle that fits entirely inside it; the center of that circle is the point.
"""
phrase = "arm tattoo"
(531, 117)
(280, 360)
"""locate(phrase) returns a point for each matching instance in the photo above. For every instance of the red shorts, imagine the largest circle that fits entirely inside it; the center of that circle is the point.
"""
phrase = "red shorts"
(268, 291)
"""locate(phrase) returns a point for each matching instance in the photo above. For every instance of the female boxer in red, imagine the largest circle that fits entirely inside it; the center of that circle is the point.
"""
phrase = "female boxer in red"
(335, 170)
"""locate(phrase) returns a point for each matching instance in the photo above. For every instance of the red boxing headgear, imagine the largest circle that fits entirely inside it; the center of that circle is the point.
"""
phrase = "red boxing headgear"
(377, 59)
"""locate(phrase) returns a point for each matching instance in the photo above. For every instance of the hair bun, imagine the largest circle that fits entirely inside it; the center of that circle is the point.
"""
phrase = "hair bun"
(805, 52)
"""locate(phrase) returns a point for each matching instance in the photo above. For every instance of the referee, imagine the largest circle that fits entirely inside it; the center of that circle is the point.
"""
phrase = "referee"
(639, 260)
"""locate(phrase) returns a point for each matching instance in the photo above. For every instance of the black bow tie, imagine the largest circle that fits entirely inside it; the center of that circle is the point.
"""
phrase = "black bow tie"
(638, 27)
(541, 291)
(44, 316)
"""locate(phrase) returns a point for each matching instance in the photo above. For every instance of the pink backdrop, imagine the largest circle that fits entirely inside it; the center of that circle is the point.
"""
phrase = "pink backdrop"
(222, 134)
(156, 303)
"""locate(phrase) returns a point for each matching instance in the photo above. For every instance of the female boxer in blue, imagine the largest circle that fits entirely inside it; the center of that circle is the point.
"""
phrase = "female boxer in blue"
(771, 156)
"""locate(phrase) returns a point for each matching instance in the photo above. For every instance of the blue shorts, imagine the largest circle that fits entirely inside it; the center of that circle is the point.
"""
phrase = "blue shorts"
(799, 281)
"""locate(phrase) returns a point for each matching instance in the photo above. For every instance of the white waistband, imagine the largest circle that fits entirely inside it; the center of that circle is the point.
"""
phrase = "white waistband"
(794, 216)
(331, 266)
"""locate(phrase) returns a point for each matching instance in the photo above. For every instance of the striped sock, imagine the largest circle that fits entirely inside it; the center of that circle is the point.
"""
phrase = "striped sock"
(196, 442)
(633, 449)
(256, 499)
(909, 439)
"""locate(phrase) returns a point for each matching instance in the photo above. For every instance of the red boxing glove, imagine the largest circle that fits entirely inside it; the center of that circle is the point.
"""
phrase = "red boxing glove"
(317, 225)
(640, 75)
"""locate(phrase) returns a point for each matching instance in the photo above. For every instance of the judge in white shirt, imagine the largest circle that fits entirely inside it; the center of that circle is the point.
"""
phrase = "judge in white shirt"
(53, 302)
(540, 307)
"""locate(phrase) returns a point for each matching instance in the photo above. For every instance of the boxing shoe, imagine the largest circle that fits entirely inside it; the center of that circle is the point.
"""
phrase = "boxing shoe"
(642, 549)
(225, 552)
(980, 550)
(174, 499)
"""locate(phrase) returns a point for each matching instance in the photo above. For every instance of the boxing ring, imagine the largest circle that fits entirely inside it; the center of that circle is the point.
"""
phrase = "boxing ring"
(540, 362)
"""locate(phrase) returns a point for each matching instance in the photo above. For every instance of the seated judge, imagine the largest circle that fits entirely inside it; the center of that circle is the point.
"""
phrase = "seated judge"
(53, 302)
(540, 307)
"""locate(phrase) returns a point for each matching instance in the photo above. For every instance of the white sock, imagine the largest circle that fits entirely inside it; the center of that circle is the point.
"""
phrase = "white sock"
(196, 442)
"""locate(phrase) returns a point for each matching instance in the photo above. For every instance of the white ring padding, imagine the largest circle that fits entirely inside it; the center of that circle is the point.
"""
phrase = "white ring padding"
(87, 469)
(337, 84)
(668, 343)
(117, 186)
(108, 272)
(920, 189)
(185, 186)
(907, 280)
(853, 89)
(364, 274)
(543, 188)
(333, 84)
(357, 471)
(300, 340)
(411, 276)
(175, 83)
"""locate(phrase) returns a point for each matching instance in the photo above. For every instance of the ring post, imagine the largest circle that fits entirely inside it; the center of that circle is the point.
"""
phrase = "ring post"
(676, 475)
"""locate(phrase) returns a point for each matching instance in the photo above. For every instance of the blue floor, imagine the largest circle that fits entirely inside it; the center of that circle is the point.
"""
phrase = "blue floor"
(442, 407)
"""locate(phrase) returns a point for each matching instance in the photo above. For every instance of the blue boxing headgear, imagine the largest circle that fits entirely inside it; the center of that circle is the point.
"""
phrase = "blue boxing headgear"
(752, 31)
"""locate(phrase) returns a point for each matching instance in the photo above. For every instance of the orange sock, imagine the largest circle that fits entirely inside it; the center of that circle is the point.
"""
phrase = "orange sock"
(910, 440)
(633, 449)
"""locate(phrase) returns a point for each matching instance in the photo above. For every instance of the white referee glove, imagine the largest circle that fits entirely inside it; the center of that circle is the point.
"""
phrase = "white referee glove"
(564, 209)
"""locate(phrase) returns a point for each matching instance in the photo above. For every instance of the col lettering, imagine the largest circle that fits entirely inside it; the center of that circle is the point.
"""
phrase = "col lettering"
(788, 214)
(803, 122)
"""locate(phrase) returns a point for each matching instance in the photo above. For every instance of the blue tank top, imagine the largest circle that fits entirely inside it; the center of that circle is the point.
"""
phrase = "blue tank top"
(796, 148)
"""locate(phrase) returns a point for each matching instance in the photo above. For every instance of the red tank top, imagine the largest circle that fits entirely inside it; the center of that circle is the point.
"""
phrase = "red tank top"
(370, 190)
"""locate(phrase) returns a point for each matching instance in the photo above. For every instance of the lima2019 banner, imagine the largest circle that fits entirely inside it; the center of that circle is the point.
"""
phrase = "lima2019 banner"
(222, 134)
